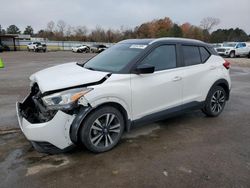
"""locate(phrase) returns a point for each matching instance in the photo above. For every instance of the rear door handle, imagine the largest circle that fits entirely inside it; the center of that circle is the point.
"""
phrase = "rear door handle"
(177, 78)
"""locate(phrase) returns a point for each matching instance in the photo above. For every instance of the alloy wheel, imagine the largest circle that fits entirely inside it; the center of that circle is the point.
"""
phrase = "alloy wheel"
(217, 101)
(105, 130)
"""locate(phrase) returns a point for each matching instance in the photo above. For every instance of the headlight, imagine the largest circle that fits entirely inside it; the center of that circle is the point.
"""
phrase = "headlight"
(64, 99)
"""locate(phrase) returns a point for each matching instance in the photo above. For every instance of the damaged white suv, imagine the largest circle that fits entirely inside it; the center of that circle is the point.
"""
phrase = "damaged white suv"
(133, 82)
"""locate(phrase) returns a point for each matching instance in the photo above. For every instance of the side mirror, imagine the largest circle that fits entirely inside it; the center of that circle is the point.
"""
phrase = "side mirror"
(144, 69)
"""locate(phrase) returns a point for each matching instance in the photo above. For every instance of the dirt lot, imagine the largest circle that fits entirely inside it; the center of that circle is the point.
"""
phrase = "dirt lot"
(187, 151)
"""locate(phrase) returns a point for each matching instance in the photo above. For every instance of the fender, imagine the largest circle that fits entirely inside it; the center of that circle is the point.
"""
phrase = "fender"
(103, 100)
(224, 84)
(84, 111)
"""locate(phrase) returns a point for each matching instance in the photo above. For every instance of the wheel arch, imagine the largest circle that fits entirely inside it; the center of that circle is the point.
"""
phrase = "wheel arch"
(224, 84)
(85, 112)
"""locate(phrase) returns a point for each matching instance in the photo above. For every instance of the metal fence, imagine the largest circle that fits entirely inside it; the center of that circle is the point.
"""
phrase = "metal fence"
(58, 45)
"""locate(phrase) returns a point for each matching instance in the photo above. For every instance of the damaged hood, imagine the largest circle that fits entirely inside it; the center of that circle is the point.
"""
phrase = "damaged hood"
(64, 76)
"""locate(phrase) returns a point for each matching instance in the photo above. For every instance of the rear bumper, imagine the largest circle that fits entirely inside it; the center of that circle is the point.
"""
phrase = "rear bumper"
(54, 132)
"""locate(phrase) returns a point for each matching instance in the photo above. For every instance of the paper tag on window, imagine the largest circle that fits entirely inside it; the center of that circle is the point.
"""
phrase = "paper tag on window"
(138, 46)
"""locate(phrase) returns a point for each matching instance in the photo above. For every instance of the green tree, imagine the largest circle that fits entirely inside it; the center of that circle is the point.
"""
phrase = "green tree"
(13, 29)
(227, 35)
(175, 31)
(28, 31)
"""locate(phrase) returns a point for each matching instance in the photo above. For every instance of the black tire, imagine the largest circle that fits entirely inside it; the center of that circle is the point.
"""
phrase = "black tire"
(99, 136)
(232, 54)
(215, 102)
(248, 55)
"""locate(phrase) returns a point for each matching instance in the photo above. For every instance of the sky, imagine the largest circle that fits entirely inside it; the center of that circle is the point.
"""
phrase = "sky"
(127, 13)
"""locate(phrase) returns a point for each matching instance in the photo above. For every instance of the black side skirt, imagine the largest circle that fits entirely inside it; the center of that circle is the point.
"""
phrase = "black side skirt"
(168, 113)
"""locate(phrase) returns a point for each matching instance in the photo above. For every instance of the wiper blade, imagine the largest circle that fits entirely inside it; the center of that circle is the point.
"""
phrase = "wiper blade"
(90, 68)
(80, 64)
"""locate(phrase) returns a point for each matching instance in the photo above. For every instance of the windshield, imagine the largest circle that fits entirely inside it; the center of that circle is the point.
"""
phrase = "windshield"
(115, 58)
(229, 44)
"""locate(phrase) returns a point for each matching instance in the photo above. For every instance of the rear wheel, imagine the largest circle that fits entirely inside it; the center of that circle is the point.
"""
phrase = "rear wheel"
(102, 129)
(215, 102)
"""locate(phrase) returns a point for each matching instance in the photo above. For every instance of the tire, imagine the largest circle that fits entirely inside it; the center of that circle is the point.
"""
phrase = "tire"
(232, 54)
(215, 102)
(248, 55)
(99, 136)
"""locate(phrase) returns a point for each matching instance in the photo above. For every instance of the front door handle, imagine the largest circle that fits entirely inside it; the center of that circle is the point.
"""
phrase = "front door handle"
(177, 78)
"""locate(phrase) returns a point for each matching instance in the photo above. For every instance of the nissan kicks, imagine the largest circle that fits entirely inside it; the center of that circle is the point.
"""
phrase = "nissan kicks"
(134, 82)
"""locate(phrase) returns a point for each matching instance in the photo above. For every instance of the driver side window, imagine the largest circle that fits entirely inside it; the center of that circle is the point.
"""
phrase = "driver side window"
(162, 58)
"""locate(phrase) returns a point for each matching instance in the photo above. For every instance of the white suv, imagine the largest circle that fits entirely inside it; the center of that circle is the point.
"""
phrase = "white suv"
(134, 82)
(233, 49)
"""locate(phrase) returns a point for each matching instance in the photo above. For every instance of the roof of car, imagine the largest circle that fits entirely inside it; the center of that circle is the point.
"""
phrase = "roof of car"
(166, 39)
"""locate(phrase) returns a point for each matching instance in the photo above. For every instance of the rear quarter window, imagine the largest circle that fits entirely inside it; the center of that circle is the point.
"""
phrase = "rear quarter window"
(204, 54)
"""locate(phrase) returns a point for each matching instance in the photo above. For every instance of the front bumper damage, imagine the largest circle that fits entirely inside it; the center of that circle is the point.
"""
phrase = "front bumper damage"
(48, 131)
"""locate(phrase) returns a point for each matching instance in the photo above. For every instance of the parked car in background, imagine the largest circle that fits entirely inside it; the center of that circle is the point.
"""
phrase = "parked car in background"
(233, 49)
(132, 83)
(37, 46)
(4, 47)
(98, 48)
(217, 45)
(81, 48)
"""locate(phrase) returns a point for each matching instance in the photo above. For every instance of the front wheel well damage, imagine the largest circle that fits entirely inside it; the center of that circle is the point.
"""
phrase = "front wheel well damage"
(75, 133)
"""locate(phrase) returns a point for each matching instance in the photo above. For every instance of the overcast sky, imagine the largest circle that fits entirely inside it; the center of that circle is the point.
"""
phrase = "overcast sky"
(127, 13)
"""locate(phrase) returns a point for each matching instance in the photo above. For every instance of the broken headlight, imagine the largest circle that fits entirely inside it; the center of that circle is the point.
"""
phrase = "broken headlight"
(65, 99)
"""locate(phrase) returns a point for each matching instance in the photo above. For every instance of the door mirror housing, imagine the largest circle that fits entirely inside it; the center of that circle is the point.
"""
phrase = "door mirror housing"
(144, 69)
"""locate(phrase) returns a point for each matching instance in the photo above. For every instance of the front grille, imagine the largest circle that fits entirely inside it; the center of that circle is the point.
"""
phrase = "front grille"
(221, 50)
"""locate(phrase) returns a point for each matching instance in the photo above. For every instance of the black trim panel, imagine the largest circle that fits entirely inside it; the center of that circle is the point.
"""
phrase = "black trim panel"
(168, 113)
(76, 124)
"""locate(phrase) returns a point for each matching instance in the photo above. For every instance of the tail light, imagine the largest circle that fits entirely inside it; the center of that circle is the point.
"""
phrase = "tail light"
(226, 64)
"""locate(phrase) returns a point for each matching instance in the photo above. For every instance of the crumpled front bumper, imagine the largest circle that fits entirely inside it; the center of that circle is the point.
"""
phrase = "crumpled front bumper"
(55, 132)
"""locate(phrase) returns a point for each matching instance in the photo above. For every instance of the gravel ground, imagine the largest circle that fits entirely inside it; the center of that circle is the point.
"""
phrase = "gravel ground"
(190, 150)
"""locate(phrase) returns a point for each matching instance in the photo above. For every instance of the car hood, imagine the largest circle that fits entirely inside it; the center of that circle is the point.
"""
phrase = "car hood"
(65, 76)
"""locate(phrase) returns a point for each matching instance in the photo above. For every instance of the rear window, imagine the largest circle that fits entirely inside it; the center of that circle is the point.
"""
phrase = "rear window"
(194, 55)
(191, 55)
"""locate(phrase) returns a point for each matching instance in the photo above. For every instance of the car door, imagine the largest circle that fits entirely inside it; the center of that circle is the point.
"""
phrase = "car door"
(161, 90)
(244, 49)
(240, 49)
(198, 71)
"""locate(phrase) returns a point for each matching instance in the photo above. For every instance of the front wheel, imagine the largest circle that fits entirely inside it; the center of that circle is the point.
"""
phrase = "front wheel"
(102, 129)
(232, 54)
(215, 102)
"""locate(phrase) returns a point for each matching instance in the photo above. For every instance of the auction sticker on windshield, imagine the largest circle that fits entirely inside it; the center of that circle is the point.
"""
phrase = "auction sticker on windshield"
(138, 46)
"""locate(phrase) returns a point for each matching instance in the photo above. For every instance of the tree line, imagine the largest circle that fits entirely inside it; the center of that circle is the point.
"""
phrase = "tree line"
(164, 27)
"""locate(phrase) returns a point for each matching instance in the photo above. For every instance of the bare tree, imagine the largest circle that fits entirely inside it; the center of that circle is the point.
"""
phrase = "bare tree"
(81, 31)
(61, 25)
(69, 30)
(51, 26)
(208, 23)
